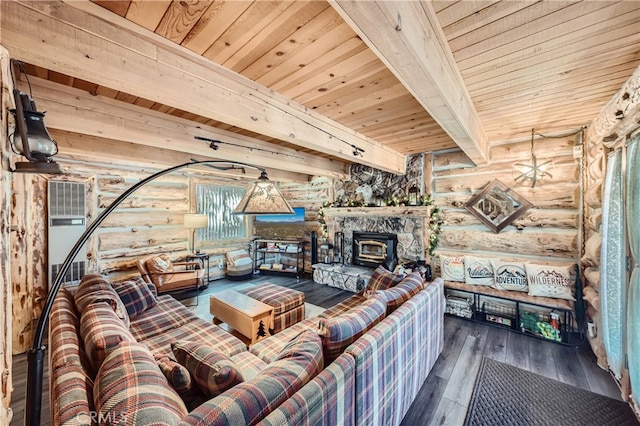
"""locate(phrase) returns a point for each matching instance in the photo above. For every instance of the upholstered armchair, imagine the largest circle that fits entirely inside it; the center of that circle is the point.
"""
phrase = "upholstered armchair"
(239, 265)
(170, 276)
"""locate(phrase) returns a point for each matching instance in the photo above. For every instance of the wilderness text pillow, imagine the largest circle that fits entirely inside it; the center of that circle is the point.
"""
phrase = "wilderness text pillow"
(549, 281)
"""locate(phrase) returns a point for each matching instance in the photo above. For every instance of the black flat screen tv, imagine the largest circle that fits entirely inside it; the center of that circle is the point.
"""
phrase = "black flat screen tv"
(280, 226)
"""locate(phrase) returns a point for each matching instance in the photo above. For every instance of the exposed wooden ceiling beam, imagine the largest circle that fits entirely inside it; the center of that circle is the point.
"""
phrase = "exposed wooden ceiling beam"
(83, 40)
(74, 110)
(79, 150)
(407, 37)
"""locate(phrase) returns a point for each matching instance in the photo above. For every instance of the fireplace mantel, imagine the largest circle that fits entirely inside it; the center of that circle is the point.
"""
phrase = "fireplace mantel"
(409, 223)
(389, 211)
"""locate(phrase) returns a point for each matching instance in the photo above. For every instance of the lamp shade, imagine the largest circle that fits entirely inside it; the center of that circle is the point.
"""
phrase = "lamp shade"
(263, 197)
(194, 220)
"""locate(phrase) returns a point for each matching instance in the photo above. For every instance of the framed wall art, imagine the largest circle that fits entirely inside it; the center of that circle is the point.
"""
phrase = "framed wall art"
(497, 205)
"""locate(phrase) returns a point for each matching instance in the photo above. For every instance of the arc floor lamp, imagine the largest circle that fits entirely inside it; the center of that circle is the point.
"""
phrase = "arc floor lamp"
(263, 197)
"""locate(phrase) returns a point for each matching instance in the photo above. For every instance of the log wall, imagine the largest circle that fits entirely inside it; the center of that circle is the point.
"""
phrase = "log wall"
(6, 360)
(548, 233)
(310, 195)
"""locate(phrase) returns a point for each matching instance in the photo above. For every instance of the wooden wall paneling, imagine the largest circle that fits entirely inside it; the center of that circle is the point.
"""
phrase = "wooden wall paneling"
(563, 175)
(151, 229)
(427, 184)
(22, 262)
(546, 233)
(533, 218)
(6, 237)
(559, 243)
(556, 198)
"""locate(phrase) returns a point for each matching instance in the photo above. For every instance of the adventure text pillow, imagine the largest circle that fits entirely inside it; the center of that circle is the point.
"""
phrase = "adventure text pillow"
(509, 276)
(549, 281)
(452, 268)
(478, 271)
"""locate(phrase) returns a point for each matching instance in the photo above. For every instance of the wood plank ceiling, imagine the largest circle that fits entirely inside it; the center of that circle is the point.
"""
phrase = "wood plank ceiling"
(524, 64)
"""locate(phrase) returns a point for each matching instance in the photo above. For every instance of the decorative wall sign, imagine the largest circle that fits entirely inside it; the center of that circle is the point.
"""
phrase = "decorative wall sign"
(497, 205)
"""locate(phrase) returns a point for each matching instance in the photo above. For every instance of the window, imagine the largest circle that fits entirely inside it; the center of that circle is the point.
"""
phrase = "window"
(218, 203)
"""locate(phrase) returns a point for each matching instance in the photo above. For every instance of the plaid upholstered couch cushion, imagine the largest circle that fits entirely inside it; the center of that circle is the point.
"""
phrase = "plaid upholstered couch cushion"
(328, 399)
(339, 332)
(181, 381)
(101, 331)
(130, 389)
(407, 343)
(70, 379)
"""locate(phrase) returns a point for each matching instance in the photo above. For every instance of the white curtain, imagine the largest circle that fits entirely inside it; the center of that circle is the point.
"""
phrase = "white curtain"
(613, 287)
(633, 230)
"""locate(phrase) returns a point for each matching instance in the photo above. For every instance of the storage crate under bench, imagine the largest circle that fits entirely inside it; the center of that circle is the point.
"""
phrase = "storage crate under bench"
(547, 318)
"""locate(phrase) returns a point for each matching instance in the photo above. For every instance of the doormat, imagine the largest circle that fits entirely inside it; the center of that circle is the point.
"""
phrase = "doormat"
(507, 395)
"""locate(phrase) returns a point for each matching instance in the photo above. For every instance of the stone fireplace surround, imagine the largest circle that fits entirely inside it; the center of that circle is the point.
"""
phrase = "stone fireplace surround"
(409, 223)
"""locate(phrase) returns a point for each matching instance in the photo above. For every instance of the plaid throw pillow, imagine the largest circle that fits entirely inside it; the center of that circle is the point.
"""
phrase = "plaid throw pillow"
(404, 291)
(180, 380)
(93, 289)
(339, 332)
(212, 371)
(381, 279)
(136, 296)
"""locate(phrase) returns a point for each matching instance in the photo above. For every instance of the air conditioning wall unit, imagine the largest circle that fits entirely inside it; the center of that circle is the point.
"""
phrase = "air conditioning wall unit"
(67, 220)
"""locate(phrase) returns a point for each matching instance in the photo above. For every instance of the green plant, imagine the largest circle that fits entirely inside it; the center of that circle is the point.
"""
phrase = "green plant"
(435, 223)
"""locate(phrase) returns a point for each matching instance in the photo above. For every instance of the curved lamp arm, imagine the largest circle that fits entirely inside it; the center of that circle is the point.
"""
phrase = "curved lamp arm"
(35, 357)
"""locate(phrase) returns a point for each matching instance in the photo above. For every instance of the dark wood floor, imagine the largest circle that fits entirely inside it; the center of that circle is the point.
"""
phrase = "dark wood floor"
(446, 393)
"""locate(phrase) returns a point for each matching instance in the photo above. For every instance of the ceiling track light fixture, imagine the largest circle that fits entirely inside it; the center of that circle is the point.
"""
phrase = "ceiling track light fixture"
(528, 174)
(214, 144)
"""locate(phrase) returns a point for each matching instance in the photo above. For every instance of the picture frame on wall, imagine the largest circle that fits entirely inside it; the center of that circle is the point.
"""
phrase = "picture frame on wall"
(497, 205)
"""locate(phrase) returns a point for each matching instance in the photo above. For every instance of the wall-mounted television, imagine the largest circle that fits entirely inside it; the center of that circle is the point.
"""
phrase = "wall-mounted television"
(280, 226)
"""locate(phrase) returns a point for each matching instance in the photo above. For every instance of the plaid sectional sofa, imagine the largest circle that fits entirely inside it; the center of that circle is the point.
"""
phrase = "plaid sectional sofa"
(112, 358)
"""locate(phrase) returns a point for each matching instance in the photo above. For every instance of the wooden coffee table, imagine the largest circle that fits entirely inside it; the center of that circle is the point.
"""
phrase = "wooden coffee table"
(247, 316)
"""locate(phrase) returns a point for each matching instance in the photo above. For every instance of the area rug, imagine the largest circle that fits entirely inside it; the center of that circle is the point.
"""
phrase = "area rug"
(506, 395)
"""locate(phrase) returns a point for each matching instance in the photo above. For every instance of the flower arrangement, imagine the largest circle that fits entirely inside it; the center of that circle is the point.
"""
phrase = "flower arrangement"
(435, 220)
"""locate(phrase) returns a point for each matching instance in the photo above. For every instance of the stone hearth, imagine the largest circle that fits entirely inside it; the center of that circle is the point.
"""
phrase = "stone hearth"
(410, 224)
(352, 278)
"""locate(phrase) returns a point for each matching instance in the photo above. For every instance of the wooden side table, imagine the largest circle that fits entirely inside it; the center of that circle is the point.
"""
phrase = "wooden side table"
(249, 317)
